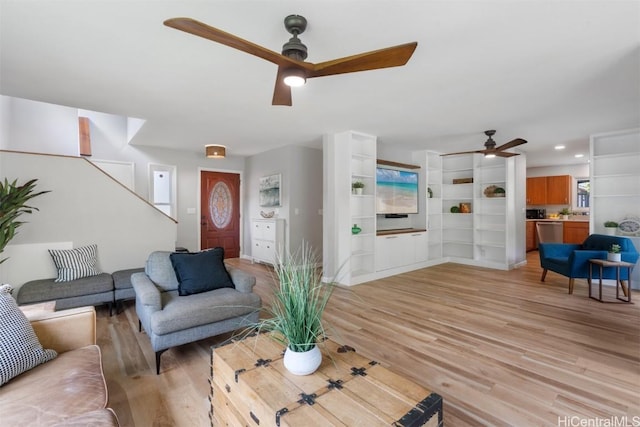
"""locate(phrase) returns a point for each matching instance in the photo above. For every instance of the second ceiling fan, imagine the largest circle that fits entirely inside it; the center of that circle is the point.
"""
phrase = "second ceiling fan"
(292, 69)
(490, 149)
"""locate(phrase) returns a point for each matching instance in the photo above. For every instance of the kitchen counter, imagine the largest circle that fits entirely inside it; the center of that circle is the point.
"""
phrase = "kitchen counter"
(574, 230)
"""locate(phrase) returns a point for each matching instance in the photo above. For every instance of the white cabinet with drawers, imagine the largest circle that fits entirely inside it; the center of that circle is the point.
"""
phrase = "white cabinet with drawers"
(267, 239)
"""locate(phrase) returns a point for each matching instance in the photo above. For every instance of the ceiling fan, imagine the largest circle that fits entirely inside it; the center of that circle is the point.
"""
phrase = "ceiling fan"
(292, 69)
(491, 150)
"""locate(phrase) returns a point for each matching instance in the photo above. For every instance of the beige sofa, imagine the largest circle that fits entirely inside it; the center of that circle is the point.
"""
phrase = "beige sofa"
(69, 390)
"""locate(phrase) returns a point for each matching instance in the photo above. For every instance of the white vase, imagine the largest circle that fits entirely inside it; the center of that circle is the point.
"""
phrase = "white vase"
(302, 363)
(611, 231)
(614, 257)
(358, 191)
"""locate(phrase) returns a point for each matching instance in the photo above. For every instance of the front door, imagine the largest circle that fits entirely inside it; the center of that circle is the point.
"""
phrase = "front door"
(220, 212)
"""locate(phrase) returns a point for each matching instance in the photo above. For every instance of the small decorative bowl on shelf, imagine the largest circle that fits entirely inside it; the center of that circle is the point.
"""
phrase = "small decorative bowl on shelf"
(264, 214)
(494, 191)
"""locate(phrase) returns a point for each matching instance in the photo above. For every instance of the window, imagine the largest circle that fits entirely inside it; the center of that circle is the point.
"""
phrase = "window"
(582, 193)
(162, 188)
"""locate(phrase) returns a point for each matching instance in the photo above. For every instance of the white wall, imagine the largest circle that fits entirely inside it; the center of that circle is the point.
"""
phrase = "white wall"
(576, 171)
(301, 193)
(85, 206)
(109, 136)
(5, 105)
(306, 198)
(57, 126)
(39, 127)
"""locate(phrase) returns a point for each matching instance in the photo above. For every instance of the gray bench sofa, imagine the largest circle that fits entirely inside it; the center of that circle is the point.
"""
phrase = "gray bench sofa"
(102, 289)
(93, 290)
(171, 320)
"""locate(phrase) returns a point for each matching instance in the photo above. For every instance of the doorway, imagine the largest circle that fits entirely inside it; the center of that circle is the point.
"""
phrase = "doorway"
(220, 212)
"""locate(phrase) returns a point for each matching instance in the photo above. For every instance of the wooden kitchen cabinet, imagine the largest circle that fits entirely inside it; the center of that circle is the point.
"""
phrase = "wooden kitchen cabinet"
(549, 190)
(537, 190)
(531, 236)
(575, 231)
(559, 190)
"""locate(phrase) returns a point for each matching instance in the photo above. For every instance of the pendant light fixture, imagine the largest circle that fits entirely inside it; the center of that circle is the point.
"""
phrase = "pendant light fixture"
(214, 151)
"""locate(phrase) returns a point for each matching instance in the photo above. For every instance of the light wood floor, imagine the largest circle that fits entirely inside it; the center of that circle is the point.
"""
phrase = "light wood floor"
(502, 348)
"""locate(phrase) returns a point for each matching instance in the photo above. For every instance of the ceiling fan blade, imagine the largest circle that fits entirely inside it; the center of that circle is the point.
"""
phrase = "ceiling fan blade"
(505, 154)
(463, 152)
(383, 58)
(511, 144)
(203, 30)
(281, 92)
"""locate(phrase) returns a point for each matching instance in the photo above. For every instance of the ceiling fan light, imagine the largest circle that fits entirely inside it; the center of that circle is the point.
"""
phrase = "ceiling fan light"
(489, 155)
(294, 78)
(214, 151)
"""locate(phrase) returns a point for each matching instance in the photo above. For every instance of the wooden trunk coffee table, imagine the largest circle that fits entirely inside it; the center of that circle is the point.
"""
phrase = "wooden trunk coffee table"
(251, 387)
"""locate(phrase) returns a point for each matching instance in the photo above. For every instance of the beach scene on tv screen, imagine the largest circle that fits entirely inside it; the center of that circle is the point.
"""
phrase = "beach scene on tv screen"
(396, 191)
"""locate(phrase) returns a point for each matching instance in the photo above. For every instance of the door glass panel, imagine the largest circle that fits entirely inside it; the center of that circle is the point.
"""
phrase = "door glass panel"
(220, 205)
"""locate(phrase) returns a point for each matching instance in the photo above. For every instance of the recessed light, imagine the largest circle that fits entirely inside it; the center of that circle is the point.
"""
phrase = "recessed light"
(577, 156)
(559, 147)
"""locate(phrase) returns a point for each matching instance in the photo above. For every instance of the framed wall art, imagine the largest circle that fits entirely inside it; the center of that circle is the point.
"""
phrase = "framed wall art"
(269, 190)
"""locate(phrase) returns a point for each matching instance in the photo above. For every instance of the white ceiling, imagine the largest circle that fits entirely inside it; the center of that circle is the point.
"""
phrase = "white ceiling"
(551, 72)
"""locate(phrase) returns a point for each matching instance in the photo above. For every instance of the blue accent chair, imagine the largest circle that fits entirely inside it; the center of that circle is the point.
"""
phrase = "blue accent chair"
(572, 260)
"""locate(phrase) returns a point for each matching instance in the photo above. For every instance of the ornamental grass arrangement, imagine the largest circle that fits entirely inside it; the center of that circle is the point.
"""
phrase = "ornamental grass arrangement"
(294, 317)
(299, 300)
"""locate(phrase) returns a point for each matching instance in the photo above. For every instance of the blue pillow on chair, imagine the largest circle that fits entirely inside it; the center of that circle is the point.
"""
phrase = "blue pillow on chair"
(201, 271)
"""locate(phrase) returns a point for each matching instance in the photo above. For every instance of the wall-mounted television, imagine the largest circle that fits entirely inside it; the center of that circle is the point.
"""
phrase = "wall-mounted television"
(396, 192)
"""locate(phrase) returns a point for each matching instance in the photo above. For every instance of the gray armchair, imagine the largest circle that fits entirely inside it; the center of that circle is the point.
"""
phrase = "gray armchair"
(171, 320)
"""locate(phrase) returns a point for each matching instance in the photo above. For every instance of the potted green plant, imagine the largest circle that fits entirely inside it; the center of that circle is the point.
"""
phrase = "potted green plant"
(357, 187)
(565, 212)
(610, 227)
(13, 203)
(614, 253)
(294, 318)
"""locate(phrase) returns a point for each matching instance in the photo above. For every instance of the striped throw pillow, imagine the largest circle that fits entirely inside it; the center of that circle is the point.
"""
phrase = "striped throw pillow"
(76, 263)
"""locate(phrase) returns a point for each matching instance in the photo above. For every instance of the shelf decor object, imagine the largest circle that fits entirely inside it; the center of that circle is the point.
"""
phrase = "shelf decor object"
(465, 207)
(494, 191)
(629, 226)
(355, 229)
(462, 180)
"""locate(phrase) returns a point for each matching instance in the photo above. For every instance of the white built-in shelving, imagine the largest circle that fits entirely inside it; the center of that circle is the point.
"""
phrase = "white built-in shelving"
(433, 205)
(615, 182)
(457, 228)
(348, 157)
(491, 215)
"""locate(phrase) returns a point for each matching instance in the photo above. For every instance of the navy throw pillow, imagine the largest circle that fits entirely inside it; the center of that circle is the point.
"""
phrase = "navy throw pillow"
(200, 271)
